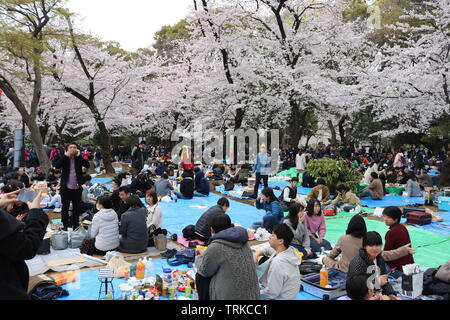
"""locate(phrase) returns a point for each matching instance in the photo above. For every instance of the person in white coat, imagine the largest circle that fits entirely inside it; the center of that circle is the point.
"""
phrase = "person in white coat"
(154, 217)
(281, 278)
(300, 162)
(105, 227)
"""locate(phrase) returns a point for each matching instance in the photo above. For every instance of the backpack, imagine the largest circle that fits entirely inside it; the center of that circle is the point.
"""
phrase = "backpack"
(229, 186)
(189, 232)
(182, 257)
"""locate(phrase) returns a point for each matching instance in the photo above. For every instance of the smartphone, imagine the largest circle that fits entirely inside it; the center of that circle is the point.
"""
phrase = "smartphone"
(26, 195)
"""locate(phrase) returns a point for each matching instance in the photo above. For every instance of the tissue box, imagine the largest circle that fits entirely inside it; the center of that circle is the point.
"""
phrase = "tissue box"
(412, 286)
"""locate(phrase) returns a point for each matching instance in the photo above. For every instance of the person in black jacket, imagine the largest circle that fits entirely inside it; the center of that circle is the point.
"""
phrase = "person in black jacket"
(23, 177)
(186, 186)
(364, 263)
(71, 164)
(202, 227)
(138, 157)
(18, 242)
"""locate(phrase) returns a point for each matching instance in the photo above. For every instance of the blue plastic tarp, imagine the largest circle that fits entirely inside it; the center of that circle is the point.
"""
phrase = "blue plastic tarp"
(392, 200)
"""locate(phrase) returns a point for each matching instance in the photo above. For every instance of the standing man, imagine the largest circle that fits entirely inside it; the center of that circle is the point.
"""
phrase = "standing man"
(137, 157)
(262, 169)
(71, 183)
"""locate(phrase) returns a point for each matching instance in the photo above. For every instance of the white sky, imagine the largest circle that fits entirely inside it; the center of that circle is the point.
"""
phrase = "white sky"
(132, 23)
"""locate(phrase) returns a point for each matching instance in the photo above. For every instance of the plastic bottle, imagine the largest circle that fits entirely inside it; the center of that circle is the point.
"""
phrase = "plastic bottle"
(188, 291)
(323, 276)
(149, 268)
(167, 277)
(140, 270)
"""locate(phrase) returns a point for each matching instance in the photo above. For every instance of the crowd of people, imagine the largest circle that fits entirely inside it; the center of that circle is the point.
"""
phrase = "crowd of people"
(228, 269)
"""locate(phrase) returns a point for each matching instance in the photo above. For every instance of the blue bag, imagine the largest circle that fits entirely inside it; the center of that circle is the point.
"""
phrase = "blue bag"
(182, 257)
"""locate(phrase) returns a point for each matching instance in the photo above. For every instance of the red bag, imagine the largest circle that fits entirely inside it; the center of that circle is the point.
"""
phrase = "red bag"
(420, 218)
(329, 212)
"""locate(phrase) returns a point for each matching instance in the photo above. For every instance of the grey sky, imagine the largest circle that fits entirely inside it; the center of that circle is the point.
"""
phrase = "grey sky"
(132, 23)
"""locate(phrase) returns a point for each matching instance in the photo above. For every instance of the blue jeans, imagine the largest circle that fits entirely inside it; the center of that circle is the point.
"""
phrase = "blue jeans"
(181, 196)
(265, 179)
(366, 193)
(198, 194)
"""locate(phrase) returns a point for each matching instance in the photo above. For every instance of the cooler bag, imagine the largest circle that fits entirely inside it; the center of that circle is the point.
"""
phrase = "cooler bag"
(411, 209)
(420, 218)
(336, 279)
(444, 203)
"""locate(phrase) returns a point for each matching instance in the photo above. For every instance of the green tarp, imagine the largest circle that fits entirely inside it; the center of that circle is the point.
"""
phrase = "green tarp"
(292, 172)
(432, 249)
(391, 190)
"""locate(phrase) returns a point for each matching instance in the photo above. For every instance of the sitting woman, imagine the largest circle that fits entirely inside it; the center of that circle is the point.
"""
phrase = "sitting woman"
(105, 227)
(274, 212)
(346, 198)
(133, 227)
(413, 187)
(201, 183)
(296, 221)
(320, 192)
(349, 244)
(316, 226)
(369, 260)
(375, 190)
(154, 214)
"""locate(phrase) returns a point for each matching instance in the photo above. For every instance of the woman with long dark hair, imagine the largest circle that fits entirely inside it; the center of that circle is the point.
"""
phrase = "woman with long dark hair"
(316, 226)
(296, 221)
(274, 212)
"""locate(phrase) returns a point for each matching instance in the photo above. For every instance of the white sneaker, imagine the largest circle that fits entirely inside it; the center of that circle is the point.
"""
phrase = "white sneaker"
(57, 210)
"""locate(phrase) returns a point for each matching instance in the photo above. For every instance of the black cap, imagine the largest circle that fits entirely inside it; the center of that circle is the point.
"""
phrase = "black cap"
(294, 179)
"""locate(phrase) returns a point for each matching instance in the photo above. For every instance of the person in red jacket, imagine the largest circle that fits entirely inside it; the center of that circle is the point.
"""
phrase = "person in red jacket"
(396, 237)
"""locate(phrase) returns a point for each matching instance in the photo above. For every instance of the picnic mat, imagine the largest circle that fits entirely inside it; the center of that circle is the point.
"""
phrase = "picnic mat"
(87, 285)
(103, 181)
(432, 249)
(292, 172)
(177, 215)
(390, 200)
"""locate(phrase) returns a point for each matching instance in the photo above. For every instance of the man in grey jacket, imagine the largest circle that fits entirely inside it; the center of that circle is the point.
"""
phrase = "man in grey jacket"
(228, 263)
(281, 278)
(163, 187)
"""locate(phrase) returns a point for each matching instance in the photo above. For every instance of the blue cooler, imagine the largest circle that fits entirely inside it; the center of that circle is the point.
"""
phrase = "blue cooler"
(336, 279)
(444, 203)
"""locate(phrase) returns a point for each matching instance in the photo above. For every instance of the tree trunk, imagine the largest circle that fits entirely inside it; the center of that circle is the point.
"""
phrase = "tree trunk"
(294, 127)
(239, 118)
(333, 133)
(342, 130)
(105, 143)
(38, 144)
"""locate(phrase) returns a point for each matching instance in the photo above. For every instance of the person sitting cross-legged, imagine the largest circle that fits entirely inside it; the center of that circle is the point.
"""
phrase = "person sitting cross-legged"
(281, 277)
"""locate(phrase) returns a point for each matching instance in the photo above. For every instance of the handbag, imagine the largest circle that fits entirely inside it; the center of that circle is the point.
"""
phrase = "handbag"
(160, 241)
(77, 237)
(60, 240)
(229, 186)
(45, 247)
(182, 257)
